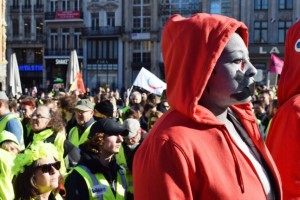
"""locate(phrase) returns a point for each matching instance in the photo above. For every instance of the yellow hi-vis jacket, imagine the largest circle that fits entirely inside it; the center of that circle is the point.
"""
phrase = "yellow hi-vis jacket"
(6, 163)
(3, 125)
(121, 159)
(98, 186)
(74, 135)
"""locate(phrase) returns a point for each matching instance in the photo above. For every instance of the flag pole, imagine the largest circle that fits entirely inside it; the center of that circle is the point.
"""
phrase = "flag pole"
(276, 80)
(268, 80)
(128, 95)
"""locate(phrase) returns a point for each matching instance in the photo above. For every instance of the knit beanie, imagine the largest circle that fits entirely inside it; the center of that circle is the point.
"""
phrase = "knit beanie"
(105, 107)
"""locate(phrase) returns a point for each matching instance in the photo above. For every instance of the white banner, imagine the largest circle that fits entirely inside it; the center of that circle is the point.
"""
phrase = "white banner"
(145, 79)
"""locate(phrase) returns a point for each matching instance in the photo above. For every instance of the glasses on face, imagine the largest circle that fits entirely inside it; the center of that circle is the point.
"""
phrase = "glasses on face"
(39, 116)
(47, 168)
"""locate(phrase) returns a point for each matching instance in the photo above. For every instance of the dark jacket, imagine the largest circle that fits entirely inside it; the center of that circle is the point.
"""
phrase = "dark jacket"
(75, 184)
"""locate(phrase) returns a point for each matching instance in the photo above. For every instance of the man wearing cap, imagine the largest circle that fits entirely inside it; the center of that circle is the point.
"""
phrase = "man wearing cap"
(84, 111)
(128, 149)
(8, 120)
(97, 173)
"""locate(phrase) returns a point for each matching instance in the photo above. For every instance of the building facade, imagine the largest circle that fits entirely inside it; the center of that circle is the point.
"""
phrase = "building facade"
(114, 39)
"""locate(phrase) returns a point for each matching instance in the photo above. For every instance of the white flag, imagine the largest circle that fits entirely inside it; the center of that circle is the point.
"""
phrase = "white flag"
(149, 82)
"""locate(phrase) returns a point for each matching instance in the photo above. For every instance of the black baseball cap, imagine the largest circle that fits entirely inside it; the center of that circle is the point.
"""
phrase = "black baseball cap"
(108, 127)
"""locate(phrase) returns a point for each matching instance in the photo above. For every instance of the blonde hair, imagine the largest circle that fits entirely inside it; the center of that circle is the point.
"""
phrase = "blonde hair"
(7, 145)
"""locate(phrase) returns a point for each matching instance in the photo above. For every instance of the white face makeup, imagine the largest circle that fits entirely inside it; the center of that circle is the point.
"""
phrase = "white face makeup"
(232, 76)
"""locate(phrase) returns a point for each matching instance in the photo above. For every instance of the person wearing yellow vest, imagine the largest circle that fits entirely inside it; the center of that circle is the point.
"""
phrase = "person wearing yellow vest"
(7, 155)
(28, 105)
(47, 126)
(37, 173)
(8, 121)
(128, 149)
(84, 111)
(98, 175)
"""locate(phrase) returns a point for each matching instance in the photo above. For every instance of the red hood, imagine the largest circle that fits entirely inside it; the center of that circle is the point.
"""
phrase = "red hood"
(188, 75)
(289, 84)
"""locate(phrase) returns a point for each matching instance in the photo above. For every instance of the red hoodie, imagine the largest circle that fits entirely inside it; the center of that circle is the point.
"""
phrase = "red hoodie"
(283, 138)
(189, 154)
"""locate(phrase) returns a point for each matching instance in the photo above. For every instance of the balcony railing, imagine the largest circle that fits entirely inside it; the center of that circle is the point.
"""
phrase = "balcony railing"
(137, 65)
(26, 9)
(187, 8)
(39, 8)
(14, 9)
(26, 39)
(102, 31)
(62, 52)
(141, 29)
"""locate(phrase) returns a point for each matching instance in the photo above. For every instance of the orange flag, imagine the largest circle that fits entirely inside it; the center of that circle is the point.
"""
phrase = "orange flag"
(78, 84)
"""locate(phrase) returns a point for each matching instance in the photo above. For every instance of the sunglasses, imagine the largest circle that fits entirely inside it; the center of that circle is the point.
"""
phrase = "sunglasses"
(46, 168)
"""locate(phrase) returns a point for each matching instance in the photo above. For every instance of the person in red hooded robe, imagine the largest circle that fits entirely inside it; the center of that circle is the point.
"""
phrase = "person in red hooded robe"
(283, 139)
(208, 145)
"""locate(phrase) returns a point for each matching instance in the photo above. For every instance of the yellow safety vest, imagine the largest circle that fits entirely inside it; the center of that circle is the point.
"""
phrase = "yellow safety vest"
(58, 143)
(74, 135)
(6, 163)
(98, 186)
(121, 159)
(3, 123)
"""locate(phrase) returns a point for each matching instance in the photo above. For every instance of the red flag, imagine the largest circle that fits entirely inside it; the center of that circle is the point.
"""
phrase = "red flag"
(78, 84)
(276, 64)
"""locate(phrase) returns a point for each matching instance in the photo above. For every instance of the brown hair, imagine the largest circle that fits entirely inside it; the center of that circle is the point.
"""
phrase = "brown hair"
(93, 144)
(24, 184)
(67, 102)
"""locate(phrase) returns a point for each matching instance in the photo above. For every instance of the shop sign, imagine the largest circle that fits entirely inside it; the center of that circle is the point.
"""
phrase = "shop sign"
(266, 50)
(61, 61)
(30, 67)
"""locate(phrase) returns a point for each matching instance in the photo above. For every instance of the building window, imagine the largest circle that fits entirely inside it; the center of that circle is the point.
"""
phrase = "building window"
(39, 26)
(15, 3)
(66, 5)
(53, 39)
(260, 31)
(65, 39)
(183, 7)
(76, 5)
(15, 23)
(283, 27)
(103, 50)
(261, 4)
(141, 52)
(141, 16)
(39, 3)
(95, 20)
(110, 19)
(285, 4)
(222, 7)
(27, 4)
(77, 41)
(53, 5)
(27, 27)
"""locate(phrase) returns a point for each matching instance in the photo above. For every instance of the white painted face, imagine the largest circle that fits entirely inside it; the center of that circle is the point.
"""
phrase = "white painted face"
(232, 76)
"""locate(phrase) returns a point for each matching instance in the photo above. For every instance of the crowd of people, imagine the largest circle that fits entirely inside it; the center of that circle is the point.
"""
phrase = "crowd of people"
(210, 135)
(87, 138)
